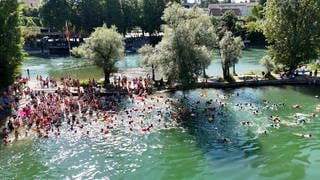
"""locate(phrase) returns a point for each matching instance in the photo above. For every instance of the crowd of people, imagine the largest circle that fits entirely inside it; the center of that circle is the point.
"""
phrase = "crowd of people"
(46, 113)
(84, 110)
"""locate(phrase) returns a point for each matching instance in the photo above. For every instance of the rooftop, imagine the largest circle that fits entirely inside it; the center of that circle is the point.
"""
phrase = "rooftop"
(220, 5)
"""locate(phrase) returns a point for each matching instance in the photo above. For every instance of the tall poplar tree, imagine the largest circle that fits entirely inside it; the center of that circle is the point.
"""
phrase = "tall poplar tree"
(230, 50)
(10, 41)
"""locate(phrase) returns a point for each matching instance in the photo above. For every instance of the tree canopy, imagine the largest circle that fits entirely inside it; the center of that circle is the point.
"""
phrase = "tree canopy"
(268, 63)
(292, 29)
(113, 14)
(228, 21)
(230, 50)
(85, 15)
(186, 48)
(152, 10)
(105, 47)
(11, 53)
(55, 13)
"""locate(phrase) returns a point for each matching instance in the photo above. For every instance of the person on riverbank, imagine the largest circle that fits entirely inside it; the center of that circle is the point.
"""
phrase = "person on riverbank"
(28, 73)
(16, 135)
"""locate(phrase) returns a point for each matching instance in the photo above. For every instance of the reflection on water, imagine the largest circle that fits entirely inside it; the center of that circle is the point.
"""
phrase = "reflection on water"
(193, 151)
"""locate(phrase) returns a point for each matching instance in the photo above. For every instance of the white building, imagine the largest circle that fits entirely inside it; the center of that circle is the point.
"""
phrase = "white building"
(32, 3)
(190, 3)
(240, 1)
(240, 9)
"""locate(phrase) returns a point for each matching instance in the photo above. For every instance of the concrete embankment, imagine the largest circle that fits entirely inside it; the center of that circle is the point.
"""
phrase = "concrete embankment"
(257, 83)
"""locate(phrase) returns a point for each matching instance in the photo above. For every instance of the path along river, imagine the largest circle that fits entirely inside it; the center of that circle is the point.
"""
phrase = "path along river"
(193, 151)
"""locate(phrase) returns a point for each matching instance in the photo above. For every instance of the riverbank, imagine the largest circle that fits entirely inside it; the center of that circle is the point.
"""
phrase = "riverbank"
(257, 83)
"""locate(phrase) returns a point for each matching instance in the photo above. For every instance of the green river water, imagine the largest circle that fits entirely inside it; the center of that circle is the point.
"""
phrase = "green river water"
(81, 68)
(193, 151)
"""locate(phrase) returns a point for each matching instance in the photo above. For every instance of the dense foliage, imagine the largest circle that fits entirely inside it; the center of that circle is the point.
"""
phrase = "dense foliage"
(10, 41)
(268, 63)
(186, 48)
(55, 13)
(30, 22)
(228, 21)
(292, 27)
(230, 50)
(105, 47)
(85, 15)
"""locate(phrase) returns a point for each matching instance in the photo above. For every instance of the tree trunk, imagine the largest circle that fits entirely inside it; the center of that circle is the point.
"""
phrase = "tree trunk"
(153, 75)
(227, 72)
(234, 69)
(106, 78)
(224, 72)
(204, 71)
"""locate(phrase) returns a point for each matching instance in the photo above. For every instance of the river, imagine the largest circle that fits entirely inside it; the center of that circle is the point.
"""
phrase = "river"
(81, 68)
(193, 151)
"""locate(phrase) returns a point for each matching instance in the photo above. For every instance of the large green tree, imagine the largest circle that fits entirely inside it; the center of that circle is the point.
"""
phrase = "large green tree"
(10, 41)
(268, 63)
(131, 14)
(185, 50)
(152, 10)
(30, 22)
(228, 21)
(230, 50)
(292, 29)
(87, 14)
(55, 13)
(105, 47)
(114, 14)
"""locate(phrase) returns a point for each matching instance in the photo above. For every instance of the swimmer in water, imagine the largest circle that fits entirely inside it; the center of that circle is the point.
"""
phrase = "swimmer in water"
(303, 135)
(297, 106)
(226, 140)
(288, 123)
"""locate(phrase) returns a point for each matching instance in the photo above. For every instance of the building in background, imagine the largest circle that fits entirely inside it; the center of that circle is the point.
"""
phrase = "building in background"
(239, 1)
(190, 3)
(240, 9)
(32, 3)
